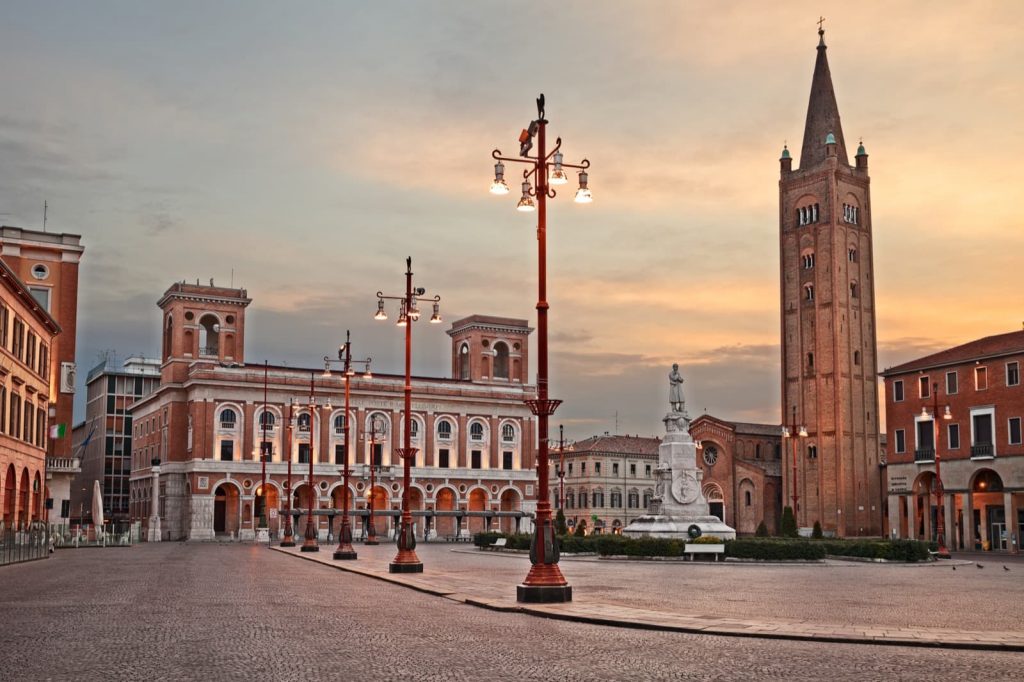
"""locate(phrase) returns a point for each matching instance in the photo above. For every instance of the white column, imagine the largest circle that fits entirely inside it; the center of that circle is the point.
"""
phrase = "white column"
(1010, 521)
(948, 503)
(154, 516)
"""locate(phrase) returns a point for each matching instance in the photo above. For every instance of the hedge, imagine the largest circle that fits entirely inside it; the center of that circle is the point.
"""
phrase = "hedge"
(774, 549)
(892, 550)
(618, 545)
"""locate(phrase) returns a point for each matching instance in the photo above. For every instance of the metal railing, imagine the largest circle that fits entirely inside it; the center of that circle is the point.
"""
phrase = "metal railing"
(924, 455)
(120, 534)
(983, 450)
(25, 544)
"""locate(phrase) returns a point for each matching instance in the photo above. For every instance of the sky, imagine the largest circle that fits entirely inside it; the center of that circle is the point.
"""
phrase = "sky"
(303, 150)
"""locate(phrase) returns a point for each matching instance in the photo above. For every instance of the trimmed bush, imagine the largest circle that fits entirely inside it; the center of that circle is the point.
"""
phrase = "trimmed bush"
(787, 528)
(581, 528)
(762, 530)
(576, 544)
(891, 550)
(560, 526)
(617, 545)
(816, 533)
(485, 539)
(774, 549)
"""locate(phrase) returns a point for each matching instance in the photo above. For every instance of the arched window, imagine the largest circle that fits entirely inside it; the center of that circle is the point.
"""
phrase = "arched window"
(853, 290)
(508, 433)
(444, 429)
(339, 424)
(500, 360)
(808, 261)
(464, 362)
(808, 292)
(852, 255)
(304, 421)
(856, 357)
(570, 499)
(168, 336)
(209, 335)
(414, 428)
(228, 418)
(746, 498)
(476, 431)
(810, 361)
(267, 420)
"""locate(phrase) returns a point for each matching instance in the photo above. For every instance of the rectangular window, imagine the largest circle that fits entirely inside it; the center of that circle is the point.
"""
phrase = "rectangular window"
(42, 296)
(632, 470)
(339, 454)
(475, 459)
(1012, 374)
(982, 429)
(65, 509)
(583, 468)
(901, 440)
(952, 383)
(953, 431)
(647, 470)
(980, 378)
(615, 469)
(1014, 430)
(227, 450)
(378, 454)
(923, 387)
(442, 458)
(925, 435)
(597, 468)
(304, 453)
(506, 459)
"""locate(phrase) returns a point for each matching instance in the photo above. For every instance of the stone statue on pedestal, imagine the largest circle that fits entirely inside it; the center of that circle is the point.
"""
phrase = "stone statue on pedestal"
(676, 399)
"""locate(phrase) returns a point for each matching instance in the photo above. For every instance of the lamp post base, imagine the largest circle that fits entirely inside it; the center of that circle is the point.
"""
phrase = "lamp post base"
(405, 568)
(287, 543)
(345, 554)
(370, 541)
(543, 594)
(306, 547)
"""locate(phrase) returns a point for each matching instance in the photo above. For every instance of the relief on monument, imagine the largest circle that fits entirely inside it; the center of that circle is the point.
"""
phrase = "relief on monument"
(685, 488)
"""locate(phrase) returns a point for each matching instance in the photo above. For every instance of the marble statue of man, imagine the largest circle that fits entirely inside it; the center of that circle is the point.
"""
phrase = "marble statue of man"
(675, 390)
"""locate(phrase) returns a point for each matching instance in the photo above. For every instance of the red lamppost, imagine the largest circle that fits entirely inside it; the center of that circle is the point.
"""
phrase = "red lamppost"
(264, 447)
(544, 582)
(792, 432)
(371, 524)
(561, 467)
(406, 560)
(940, 521)
(345, 550)
(309, 543)
(287, 537)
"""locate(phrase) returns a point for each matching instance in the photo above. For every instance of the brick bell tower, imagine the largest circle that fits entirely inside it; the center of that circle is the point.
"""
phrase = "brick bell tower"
(490, 349)
(201, 323)
(828, 324)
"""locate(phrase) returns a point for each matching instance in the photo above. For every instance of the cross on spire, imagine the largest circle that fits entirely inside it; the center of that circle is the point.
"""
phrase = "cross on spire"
(821, 20)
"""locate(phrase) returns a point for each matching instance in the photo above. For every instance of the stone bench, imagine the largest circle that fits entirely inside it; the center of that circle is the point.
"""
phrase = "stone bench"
(500, 542)
(694, 549)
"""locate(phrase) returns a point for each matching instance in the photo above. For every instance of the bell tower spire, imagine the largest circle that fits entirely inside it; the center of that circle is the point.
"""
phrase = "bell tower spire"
(822, 114)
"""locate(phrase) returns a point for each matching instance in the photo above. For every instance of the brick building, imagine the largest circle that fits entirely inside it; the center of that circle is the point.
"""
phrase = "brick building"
(742, 466)
(979, 444)
(27, 335)
(204, 426)
(829, 343)
(610, 477)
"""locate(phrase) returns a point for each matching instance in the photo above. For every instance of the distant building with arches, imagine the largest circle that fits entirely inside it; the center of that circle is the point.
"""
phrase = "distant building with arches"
(742, 466)
(205, 422)
(979, 444)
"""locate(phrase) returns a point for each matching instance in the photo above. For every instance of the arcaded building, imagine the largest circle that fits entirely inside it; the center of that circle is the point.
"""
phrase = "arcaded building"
(976, 391)
(27, 332)
(205, 422)
(827, 288)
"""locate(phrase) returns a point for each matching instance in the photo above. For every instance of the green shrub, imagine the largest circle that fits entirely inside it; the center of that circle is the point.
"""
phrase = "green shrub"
(816, 532)
(891, 550)
(581, 528)
(787, 528)
(772, 549)
(707, 540)
(762, 530)
(485, 539)
(560, 527)
(617, 545)
(577, 544)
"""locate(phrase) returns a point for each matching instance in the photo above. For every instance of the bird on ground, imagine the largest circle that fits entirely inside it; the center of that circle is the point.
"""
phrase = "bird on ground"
(979, 566)
(954, 568)
(1005, 568)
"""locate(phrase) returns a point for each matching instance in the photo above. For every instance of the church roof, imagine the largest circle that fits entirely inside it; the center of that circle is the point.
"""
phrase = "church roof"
(980, 349)
(616, 445)
(822, 115)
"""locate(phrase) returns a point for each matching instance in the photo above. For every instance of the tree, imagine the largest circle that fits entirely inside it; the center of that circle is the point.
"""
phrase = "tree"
(816, 533)
(581, 528)
(787, 528)
(560, 527)
(762, 530)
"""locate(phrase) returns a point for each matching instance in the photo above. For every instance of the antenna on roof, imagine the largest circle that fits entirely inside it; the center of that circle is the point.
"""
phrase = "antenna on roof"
(616, 421)
(44, 215)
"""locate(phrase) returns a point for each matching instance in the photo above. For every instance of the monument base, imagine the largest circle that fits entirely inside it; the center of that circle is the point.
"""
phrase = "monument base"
(262, 536)
(660, 526)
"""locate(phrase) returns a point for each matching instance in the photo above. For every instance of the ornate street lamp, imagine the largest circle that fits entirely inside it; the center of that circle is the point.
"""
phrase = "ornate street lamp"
(287, 537)
(264, 447)
(309, 543)
(376, 426)
(544, 582)
(793, 432)
(940, 521)
(345, 550)
(406, 560)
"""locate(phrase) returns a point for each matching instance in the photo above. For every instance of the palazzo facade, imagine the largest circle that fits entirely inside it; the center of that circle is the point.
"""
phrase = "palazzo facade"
(196, 438)
(976, 390)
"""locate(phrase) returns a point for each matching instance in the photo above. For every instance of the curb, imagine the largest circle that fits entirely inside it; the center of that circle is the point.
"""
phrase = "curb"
(710, 629)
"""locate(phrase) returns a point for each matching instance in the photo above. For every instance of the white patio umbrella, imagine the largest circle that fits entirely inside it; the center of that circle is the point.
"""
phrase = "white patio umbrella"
(97, 505)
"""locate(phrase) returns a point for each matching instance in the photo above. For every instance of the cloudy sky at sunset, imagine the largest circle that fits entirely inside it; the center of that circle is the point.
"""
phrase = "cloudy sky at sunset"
(309, 147)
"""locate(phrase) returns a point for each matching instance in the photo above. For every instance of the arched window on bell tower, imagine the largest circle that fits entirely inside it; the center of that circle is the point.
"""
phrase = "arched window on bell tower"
(501, 360)
(464, 362)
(209, 335)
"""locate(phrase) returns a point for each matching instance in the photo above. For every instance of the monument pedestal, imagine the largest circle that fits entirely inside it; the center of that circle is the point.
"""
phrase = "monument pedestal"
(679, 508)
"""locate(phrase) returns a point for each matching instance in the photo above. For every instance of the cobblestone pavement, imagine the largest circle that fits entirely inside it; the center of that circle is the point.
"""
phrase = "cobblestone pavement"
(190, 612)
